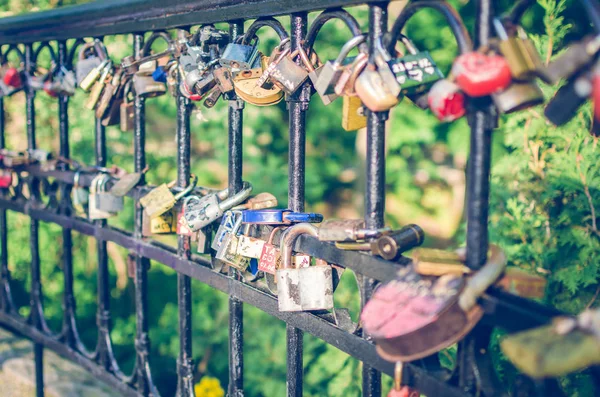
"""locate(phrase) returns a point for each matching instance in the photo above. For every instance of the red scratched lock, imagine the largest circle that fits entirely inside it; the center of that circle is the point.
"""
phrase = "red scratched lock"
(5, 179)
(480, 74)
(12, 77)
(446, 101)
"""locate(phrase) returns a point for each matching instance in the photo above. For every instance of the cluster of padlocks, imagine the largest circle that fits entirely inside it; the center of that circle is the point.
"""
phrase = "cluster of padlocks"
(432, 303)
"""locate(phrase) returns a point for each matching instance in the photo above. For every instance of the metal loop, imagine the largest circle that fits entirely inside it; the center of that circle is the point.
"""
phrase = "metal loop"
(259, 23)
(153, 37)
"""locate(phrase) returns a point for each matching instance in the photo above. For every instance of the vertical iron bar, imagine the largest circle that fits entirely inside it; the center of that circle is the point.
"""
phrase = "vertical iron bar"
(37, 313)
(104, 353)
(142, 341)
(69, 331)
(297, 106)
(375, 184)
(185, 383)
(5, 294)
(235, 165)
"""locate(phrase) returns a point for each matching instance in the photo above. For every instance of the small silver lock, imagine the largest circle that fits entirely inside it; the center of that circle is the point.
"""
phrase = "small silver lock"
(331, 71)
(302, 289)
(202, 211)
(227, 251)
(240, 56)
(106, 201)
(95, 188)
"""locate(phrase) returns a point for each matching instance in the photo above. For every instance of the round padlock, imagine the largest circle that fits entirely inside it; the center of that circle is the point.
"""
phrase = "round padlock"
(480, 74)
(446, 101)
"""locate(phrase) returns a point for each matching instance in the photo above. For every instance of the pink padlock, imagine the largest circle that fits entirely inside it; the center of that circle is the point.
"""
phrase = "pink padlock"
(446, 101)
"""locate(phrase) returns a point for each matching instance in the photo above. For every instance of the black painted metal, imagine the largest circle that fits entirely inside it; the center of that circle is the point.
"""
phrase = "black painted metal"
(117, 16)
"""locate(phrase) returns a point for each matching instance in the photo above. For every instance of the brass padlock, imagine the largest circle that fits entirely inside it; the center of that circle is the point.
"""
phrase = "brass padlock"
(163, 224)
(98, 88)
(227, 251)
(248, 90)
(127, 109)
(520, 53)
(518, 96)
(109, 94)
(353, 117)
(160, 199)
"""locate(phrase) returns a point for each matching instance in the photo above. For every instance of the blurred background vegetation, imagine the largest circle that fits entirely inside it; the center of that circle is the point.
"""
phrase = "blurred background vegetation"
(545, 192)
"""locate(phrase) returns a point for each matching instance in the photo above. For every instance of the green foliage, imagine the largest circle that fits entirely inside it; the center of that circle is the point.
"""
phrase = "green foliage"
(545, 192)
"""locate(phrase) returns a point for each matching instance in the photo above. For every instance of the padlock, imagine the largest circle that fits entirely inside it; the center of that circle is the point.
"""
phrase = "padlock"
(353, 117)
(227, 223)
(246, 88)
(127, 109)
(563, 106)
(202, 211)
(12, 78)
(313, 75)
(224, 79)
(203, 240)
(113, 113)
(283, 70)
(248, 246)
(210, 100)
(98, 88)
(341, 229)
(385, 242)
(65, 82)
(518, 96)
(568, 345)
(145, 86)
(523, 284)
(105, 200)
(182, 229)
(96, 73)
(125, 183)
(416, 71)
(160, 199)
(91, 55)
(520, 53)
(109, 94)
(80, 195)
(374, 92)
(397, 389)
(479, 74)
(5, 179)
(227, 251)
(413, 317)
(238, 55)
(270, 258)
(331, 71)
(95, 188)
(446, 101)
(279, 217)
(163, 224)
(575, 59)
(307, 288)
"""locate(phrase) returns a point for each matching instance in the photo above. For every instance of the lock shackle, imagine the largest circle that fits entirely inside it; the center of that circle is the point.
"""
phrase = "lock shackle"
(76, 179)
(304, 57)
(237, 216)
(349, 46)
(237, 198)
(153, 37)
(189, 187)
(327, 15)
(483, 278)
(259, 23)
(398, 372)
(459, 30)
(359, 64)
(289, 239)
(273, 232)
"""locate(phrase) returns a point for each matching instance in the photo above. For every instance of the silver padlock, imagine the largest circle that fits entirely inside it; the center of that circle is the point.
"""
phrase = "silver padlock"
(240, 56)
(93, 211)
(331, 71)
(283, 70)
(105, 200)
(202, 211)
(227, 251)
(304, 289)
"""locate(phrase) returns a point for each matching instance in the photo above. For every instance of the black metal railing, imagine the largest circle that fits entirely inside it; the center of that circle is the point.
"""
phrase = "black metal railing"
(30, 33)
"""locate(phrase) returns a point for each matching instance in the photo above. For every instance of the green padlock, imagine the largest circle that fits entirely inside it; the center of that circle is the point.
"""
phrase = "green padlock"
(416, 71)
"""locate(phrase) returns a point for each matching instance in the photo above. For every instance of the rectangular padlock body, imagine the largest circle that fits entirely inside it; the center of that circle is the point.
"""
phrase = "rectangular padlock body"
(405, 69)
(85, 66)
(288, 76)
(288, 290)
(250, 247)
(316, 288)
(109, 202)
(340, 229)
(239, 56)
(202, 212)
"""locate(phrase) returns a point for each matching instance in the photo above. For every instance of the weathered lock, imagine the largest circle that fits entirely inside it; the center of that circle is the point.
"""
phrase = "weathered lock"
(113, 113)
(576, 59)
(210, 100)
(202, 211)
(270, 257)
(125, 183)
(238, 55)
(353, 116)
(127, 109)
(227, 251)
(108, 95)
(479, 74)
(203, 240)
(520, 53)
(91, 55)
(163, 224)
(518, 96)
(416, 71)
(160, 199)
(248, 246)
(66, 82)
(413, 317)
(224, 79)
(105, 200)
(569, 344)
(307, 288)
(145, 86)
(182, 228)
(246, 88)
(227, 223)
(96, 187)
(98, 87)
(283, 70)
(374, 91)
(89, 80)
(313, 75)
(80, 195)
(331, 71)
(446, 101)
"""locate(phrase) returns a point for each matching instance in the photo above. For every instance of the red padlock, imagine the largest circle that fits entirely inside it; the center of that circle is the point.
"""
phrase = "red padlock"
(446, 101)
(5, 179)
(186, 92)
(480, 74)
(12, 77)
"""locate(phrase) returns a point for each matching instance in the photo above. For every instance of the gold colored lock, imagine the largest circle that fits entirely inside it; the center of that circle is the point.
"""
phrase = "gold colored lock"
(245, 85)
(160, 199)
(353, 117)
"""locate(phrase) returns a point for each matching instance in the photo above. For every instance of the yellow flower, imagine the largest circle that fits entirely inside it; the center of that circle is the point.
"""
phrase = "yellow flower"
(209, 387)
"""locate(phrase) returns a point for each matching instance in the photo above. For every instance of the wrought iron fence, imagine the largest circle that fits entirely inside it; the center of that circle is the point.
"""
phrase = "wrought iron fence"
(49, 202)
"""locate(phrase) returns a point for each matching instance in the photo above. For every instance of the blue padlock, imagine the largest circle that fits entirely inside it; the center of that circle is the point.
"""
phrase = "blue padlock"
(279, 217)
(159, 75)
